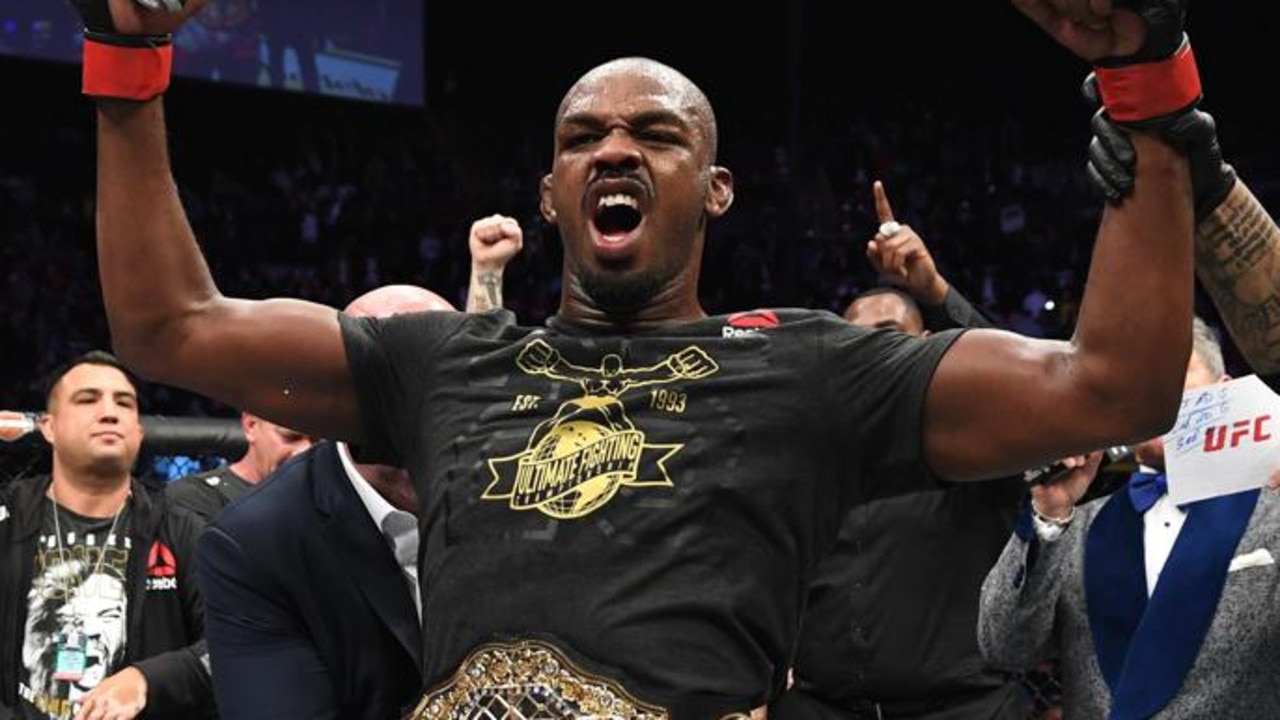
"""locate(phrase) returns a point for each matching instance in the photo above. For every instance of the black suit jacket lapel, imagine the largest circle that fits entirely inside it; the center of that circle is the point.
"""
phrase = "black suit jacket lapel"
(364, 553)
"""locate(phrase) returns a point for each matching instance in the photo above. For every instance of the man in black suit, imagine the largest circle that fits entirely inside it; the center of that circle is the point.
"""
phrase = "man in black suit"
(311, 581)
(312, 605)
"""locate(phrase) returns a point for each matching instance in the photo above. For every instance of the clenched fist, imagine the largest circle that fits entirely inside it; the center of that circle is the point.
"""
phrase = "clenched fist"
(494, 241)
(136, 17)
(692, 363)
(537, 358)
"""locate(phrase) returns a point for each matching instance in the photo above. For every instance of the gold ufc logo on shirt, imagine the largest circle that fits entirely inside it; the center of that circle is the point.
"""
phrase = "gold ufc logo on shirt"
(575, 462)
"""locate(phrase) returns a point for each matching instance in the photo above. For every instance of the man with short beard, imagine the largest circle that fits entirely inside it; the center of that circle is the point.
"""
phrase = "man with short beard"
(622, 508)
(97, 592)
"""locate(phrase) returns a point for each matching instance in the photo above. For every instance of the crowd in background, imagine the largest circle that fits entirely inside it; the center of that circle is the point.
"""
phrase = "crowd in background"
(349, 200)
(354, 197)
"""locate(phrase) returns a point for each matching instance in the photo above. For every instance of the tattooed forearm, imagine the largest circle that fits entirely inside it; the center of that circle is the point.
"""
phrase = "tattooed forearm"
(1238, 262)
(486, 291)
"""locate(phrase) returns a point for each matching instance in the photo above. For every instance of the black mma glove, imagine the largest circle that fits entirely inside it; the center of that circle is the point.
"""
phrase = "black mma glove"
(1159, 82)
(1112, 159)
(125, 67)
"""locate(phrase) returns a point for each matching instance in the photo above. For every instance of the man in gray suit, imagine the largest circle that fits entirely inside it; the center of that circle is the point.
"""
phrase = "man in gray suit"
(1154, 610)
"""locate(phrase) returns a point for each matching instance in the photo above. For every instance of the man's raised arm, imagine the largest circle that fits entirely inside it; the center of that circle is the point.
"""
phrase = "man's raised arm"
(281, 359)
(1237, 241)
(998, 402)
(1238, 262)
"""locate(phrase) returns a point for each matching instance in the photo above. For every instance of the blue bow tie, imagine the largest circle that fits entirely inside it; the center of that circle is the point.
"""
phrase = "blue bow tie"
(1145, 489)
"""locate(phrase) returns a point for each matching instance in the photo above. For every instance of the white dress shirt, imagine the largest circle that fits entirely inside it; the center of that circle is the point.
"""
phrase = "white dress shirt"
(398, 527)
(1160, 527)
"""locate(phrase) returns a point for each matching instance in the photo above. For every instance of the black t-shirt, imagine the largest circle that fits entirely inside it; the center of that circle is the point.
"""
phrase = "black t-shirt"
(77, 604)
(893, 610)
(650, 503)
(206, 493)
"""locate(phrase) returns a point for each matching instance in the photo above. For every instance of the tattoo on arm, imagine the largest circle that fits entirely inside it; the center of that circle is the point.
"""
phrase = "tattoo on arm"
(1238, 262)
(486, 292)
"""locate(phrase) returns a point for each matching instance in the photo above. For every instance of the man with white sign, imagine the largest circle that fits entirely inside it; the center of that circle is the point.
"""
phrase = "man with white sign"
(1154, 609)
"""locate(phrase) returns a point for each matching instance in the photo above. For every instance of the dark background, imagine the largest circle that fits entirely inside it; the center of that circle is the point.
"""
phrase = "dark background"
(772, 69)
(945, 101)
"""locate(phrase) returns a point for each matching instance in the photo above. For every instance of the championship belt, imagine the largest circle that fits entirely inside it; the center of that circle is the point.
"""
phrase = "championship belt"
(529, 680)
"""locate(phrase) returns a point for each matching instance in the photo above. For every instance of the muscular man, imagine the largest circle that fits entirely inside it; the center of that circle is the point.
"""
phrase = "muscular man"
(657, 566)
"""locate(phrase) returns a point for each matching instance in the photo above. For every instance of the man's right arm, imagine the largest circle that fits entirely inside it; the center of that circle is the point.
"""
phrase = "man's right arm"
(493, 241)
(1019, 598)
(281, 359)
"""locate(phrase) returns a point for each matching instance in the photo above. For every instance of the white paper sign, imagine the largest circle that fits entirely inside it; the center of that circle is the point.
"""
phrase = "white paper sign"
(1227, 439)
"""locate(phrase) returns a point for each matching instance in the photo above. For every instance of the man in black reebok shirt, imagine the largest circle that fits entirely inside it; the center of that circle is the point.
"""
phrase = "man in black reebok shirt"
(621, 509)
(99, 611)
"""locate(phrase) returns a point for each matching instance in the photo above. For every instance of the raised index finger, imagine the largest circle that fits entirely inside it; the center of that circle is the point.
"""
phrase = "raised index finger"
(883, 210)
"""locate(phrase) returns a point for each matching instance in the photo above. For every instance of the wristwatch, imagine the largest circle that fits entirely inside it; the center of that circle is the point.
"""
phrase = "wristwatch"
(1048, 528)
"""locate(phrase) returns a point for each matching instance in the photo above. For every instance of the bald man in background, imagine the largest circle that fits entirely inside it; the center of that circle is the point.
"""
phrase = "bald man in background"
(312, 606)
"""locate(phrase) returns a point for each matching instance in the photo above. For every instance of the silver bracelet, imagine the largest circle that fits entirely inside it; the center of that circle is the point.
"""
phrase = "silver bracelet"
(1063, 522)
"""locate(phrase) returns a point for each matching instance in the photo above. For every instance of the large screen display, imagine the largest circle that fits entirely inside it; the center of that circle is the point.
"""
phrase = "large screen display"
(361, 49)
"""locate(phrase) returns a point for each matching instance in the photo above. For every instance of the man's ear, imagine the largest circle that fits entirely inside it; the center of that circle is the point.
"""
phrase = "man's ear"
(720, 191)
(44, 423)
(544, 199)
(248, 425)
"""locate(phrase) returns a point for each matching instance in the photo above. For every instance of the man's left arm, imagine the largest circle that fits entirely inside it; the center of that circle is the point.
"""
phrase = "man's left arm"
(955, 311)
(997, 402)
(1237, 244)
(178, 682)
(904, 259)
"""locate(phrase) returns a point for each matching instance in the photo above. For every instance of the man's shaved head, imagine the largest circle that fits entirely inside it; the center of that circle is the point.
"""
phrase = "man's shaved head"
(682, 91)
(394, 300)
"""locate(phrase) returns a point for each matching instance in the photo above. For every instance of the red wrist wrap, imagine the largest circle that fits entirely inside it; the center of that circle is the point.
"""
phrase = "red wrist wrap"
(1134, 93)
(127, 73)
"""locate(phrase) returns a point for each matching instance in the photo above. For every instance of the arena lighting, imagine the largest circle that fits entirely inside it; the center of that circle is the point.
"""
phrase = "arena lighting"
(340, 48)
